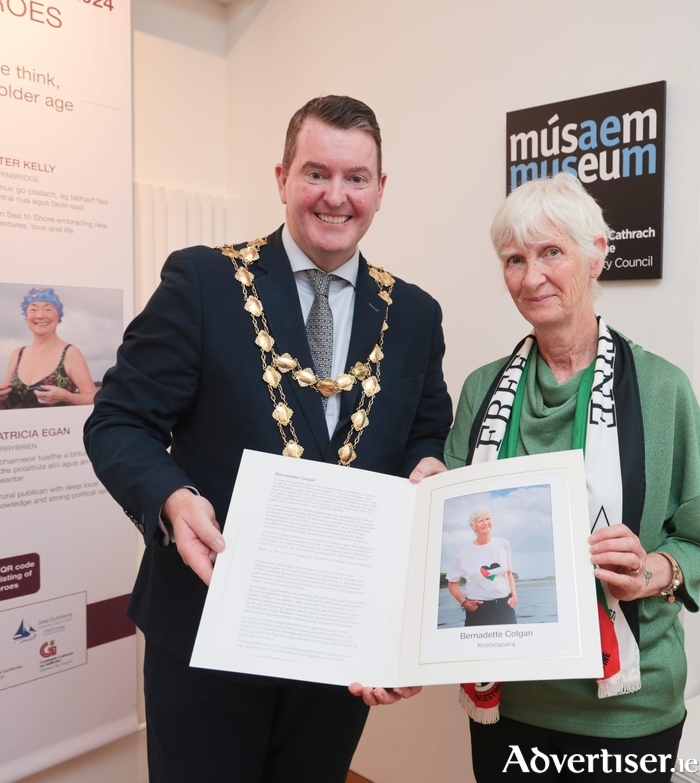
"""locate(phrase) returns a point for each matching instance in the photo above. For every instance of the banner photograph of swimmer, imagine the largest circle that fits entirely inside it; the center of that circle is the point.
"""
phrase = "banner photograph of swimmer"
(56, 343)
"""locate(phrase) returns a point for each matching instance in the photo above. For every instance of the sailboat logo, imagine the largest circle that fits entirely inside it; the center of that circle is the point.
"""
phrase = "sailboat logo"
(25, 633)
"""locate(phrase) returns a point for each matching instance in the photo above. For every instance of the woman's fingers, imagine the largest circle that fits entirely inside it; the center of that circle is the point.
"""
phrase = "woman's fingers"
(617, 547)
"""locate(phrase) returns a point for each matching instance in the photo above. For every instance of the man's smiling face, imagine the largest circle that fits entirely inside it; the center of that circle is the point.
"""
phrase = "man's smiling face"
(332, 191)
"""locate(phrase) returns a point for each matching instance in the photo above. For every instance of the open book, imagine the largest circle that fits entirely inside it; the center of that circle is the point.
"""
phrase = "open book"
(336, 575)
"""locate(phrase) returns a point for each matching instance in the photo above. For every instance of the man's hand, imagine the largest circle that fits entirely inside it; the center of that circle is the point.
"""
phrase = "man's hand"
(197, 533)
(428, 466)
(373, 697)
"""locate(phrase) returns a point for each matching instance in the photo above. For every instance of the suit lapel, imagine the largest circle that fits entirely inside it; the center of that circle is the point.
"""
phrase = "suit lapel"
(276, 285)
(367, 320)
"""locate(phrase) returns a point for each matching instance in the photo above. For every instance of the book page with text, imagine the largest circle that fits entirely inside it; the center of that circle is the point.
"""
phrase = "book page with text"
(315, 584)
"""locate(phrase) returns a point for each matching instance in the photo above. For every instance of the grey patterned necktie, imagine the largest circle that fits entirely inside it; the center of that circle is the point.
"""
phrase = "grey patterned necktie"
(319, 325)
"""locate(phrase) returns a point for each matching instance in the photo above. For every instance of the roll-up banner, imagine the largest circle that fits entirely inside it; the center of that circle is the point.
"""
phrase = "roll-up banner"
(614, 142)
(67, 553)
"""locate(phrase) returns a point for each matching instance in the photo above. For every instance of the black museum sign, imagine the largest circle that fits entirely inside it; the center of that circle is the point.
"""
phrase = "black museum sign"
(614, 143)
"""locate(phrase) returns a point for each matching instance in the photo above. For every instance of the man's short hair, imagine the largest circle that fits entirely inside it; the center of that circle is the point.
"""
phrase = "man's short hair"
(338, 111)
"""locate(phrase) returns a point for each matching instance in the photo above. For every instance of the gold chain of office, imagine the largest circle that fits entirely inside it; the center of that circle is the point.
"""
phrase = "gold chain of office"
(275, 365)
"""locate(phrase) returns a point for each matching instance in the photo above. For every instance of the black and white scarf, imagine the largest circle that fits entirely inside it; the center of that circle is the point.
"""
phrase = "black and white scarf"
(615, 477)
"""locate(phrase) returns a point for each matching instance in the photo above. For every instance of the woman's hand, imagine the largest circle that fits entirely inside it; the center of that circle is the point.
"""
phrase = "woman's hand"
(471, 606)
(373, 697)
(513, 601)
(621, 561)
(5, 390)
(51, 395)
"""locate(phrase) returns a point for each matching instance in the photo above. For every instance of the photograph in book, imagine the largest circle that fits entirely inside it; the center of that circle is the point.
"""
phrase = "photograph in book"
(365, 561)
(500, 563)
(491, 542)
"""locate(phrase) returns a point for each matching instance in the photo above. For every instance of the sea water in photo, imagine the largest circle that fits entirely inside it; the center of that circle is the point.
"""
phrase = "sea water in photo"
(537, 603)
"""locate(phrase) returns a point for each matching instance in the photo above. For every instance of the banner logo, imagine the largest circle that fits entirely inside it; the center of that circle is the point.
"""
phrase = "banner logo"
(47, 649)
(25, 633)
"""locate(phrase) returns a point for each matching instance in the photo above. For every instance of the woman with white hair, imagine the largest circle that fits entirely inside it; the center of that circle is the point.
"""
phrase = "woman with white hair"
(489, 596)
(575, 383)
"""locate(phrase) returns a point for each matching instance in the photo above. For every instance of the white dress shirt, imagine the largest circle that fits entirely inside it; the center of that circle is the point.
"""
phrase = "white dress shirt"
(341, 298)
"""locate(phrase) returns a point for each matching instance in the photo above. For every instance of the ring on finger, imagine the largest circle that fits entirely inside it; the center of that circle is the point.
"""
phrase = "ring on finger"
(635, 571)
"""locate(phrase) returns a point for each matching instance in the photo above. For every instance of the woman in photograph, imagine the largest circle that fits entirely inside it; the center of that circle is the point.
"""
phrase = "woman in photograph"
(575, 383)
(489, 596)
(48, 371)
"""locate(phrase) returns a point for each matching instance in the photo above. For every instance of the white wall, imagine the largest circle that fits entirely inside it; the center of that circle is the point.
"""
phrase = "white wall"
(179, 94)
(441, 77)
(215, 87)
(178, 52)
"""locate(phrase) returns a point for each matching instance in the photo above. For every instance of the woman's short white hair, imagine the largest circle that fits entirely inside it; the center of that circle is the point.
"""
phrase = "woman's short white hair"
(476, 513)
(563, 201)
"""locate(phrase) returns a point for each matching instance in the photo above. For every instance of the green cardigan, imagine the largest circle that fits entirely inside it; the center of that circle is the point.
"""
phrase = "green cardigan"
(670, 522)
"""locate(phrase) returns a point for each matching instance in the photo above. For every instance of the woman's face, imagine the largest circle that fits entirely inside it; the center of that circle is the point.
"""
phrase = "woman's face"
(549, 279)
(42, 317)
(483, 525)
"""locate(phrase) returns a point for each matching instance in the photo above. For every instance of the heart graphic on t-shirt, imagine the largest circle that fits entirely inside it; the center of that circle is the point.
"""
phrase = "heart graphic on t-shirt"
(487, 571)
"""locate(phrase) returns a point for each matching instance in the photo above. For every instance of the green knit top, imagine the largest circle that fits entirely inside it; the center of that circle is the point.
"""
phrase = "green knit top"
(670, 522)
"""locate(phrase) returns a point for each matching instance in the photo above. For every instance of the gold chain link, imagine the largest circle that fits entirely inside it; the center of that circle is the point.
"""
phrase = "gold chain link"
(284, 363)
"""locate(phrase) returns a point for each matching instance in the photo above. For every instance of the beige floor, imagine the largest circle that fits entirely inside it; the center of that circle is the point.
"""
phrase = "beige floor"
(123, 761)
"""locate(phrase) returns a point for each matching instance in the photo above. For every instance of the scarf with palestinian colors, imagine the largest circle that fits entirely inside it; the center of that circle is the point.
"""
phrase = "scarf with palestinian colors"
(608, 424)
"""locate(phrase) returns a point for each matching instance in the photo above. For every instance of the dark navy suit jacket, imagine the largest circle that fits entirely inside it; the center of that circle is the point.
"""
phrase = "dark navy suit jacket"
(188, 376)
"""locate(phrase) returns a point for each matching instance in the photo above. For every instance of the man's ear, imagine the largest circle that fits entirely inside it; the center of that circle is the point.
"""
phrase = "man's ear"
(382, 185)
(281, 177)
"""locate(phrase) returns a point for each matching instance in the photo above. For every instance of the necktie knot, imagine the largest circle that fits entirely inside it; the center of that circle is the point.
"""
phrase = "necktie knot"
(321, 281)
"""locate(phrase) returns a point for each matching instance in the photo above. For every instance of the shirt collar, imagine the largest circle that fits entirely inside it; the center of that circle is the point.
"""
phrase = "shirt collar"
(299, 261)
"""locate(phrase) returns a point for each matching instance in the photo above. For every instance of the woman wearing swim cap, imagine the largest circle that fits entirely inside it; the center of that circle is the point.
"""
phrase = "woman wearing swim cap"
(49, 371)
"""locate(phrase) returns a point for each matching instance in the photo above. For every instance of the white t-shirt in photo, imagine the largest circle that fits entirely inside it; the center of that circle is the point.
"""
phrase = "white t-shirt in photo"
(485, 568)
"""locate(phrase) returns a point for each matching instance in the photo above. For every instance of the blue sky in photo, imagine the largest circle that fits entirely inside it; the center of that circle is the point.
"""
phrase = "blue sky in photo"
(522, 515)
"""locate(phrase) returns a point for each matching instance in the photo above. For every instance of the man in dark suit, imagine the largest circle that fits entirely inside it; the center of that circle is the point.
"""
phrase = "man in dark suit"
(352, 364)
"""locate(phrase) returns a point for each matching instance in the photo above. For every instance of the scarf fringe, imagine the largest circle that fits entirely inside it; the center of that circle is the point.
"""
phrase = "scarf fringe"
(485, 715)
(617, 685)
